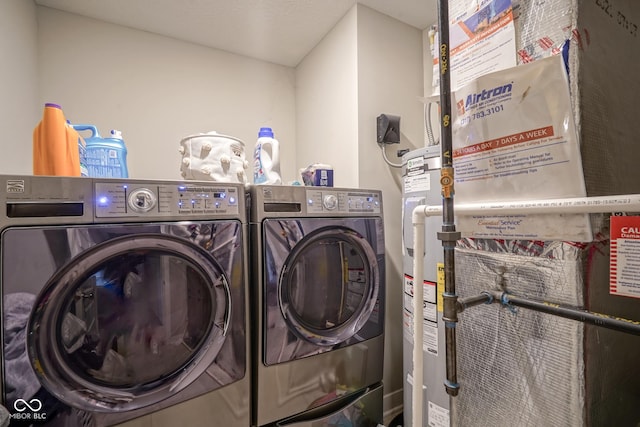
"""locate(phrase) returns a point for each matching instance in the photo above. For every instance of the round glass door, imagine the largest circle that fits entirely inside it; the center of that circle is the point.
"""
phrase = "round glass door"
(329, 285)
(129, 322)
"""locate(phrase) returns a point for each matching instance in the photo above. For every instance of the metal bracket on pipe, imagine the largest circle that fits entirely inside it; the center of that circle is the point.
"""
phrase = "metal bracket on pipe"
(449, 236)
(504, 300)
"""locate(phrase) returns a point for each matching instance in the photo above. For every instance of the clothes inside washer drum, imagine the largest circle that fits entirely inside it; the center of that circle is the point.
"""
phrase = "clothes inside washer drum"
(5, 417)
(20, 379)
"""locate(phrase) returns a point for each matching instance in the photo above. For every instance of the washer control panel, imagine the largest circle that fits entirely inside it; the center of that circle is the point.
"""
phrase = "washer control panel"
(337, 201)
(130, 199)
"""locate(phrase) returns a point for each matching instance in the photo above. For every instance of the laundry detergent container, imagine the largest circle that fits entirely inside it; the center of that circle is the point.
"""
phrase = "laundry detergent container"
(105, 157)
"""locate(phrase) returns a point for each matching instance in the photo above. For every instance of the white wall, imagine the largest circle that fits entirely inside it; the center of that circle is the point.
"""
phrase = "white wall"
(157, 90)
(367, 65)
(19, 110)
(390, 80)
(327, 103)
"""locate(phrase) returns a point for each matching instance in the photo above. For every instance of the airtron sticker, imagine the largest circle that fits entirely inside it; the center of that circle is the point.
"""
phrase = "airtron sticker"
(503, 91)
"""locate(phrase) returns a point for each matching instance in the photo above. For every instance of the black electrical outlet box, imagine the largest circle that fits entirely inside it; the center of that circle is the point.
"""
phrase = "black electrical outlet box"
(388, 129)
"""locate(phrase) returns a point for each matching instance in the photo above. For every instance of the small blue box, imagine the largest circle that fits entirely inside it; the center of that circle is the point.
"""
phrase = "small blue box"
(317, 176)
(323, 178)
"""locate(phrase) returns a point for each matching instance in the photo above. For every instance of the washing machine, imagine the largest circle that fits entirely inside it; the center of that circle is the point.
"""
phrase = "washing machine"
(124, 302)
(318, 293)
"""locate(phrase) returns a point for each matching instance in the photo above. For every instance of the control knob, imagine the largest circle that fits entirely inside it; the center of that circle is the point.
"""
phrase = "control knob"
(330, 202)
(142, 200)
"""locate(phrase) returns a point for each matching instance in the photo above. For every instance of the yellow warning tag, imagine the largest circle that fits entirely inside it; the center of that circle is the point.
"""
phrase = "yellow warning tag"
(440, 287)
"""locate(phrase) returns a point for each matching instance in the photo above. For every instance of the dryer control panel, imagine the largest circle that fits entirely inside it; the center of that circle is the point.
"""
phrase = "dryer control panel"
(130, 199)
(336, 201)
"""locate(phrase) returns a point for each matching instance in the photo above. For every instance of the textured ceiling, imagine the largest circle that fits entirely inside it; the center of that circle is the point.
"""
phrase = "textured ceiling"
(279, 31)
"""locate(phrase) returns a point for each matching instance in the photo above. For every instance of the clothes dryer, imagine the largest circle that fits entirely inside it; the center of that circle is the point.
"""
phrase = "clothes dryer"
(318, 283)
(124, 302)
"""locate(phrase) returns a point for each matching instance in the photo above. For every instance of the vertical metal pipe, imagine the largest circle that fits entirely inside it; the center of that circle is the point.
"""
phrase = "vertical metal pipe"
(448, 236)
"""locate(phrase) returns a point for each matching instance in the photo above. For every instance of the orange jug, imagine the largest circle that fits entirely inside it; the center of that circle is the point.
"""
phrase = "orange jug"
(55, 145)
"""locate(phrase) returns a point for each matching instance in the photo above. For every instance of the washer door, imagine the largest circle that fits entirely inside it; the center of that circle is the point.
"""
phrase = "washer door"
(322, 285)
(328, 286)
(129, 322)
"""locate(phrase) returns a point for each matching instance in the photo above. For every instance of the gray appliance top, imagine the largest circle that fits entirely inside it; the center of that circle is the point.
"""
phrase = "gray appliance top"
(75, 200)
(306, 201)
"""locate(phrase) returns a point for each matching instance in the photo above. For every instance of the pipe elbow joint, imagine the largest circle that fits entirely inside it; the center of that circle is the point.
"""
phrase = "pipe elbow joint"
(419, 215)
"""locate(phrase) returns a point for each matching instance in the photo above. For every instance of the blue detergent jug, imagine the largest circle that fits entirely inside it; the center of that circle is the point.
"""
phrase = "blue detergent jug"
(105, 157)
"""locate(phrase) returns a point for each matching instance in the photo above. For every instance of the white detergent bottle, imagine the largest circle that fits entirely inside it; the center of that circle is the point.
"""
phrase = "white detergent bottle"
(266, 159)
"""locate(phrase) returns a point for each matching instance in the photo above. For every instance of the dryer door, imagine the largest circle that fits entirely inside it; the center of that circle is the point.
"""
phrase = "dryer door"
(328, 282)
(129, 321)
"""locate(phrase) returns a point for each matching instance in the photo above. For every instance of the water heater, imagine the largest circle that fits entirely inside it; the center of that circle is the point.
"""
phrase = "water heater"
(421, 186)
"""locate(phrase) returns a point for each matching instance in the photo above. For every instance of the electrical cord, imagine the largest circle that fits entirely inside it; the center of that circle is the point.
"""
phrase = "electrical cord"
(387, 161)
(427, 123)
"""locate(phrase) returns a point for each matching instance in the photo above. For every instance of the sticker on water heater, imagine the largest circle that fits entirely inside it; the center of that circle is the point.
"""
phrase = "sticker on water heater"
(429, 289)
(430, 338)
(416, 183)
(429, 333)
(440, 287)
(428, 309)
(438, 416)
(624, 261)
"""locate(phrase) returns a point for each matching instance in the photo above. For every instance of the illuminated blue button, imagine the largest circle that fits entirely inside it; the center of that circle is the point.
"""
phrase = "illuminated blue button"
(232, 200)
(103, 201)
(310, 201)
